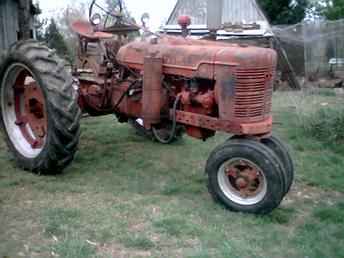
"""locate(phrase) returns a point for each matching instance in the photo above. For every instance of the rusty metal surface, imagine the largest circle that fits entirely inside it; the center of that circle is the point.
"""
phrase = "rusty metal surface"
(253, 93)
(85, 29)
(245, 94)
(222, 87)
(152, 101)
(196, 58)
(30, 110)
(215, 124)
(245, 179)
(131, 106)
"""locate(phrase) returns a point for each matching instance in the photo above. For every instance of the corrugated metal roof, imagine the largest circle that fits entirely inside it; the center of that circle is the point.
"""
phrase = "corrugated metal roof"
(241, 11)
(196, 9)
(234, 11)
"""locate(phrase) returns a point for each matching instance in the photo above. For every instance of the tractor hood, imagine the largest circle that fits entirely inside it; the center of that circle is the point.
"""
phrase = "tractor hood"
(196, 58)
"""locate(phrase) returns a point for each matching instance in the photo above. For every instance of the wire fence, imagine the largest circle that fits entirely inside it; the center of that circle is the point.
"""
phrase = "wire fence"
(315, 48)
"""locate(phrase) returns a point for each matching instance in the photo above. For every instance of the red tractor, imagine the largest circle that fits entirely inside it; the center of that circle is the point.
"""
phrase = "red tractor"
(163, 86)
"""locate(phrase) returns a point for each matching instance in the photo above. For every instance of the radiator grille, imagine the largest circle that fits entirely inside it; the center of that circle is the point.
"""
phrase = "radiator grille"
(253, 92)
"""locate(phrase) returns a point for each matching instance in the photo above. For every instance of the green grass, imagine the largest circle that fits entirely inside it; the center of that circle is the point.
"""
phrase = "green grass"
(73, 246)
(125, 196)
(59, 221)
(140, 242)
(334, 214)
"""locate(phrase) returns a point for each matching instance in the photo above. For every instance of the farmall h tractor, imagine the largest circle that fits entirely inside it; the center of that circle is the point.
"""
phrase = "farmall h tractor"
(164, 86)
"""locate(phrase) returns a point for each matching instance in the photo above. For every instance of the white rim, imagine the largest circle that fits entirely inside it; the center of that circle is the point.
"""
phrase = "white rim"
(232, 193)
(9, 114)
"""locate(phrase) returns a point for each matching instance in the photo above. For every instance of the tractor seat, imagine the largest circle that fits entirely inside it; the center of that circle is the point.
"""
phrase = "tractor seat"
(86, 30)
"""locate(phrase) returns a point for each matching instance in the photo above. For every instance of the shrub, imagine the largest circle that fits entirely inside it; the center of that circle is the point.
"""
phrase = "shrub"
(325, 124)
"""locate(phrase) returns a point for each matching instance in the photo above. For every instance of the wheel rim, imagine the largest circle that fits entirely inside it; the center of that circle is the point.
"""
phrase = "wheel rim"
(24, 110)
(242, 181)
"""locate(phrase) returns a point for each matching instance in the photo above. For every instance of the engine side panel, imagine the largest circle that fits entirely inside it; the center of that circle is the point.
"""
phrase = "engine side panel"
(243, 75)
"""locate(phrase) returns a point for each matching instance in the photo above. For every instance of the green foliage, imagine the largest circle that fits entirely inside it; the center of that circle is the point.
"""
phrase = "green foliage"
(55, 40)
(326, 124)
(334, 9)
(284, 11)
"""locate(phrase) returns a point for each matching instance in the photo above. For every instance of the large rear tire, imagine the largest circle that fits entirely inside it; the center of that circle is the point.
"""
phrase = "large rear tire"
(245, 176)
(39, 110)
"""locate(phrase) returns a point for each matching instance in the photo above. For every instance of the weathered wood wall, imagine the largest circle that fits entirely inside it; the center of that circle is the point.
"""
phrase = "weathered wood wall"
(8, 23)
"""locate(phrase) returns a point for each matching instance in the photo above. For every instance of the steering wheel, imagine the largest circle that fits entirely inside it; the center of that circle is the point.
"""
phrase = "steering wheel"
(115, 15)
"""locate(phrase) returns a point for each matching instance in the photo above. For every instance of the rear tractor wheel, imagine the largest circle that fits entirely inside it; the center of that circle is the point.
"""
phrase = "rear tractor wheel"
(38, 106)
(246, 176)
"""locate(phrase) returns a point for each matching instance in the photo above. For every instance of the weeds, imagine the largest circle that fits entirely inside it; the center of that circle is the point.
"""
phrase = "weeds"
(139, 242)
(73, 246)
(326, 125)
(317, 112)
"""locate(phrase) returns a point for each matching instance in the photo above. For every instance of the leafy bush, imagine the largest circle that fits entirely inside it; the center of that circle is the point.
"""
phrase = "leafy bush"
(325, 124)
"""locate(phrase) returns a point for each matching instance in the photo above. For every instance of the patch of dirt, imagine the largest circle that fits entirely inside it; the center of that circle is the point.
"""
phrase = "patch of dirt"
(307, 198)
(137, 227)
(119, 251)
(301, 193)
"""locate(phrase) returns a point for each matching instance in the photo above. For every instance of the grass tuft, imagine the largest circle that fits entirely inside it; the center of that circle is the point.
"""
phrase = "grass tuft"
(325, 124)
(73, 246)
(280, 216)
(334, 214)
(176, 227)
(137, 242)
(59, 221)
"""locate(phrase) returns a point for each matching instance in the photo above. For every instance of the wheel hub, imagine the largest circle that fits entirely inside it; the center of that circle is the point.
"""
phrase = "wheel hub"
(244, 179)
(30, 111)
(241, 183)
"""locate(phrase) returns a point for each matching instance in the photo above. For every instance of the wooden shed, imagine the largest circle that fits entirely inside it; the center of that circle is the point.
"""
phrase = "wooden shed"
(16, 21)
(228, 19)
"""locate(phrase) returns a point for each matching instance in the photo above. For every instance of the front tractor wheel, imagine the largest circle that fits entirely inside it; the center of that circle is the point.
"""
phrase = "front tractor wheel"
(281, 150)
(245, 176)
(39, 110)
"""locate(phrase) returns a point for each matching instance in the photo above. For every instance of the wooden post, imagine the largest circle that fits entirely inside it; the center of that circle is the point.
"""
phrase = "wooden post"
(24, 16)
